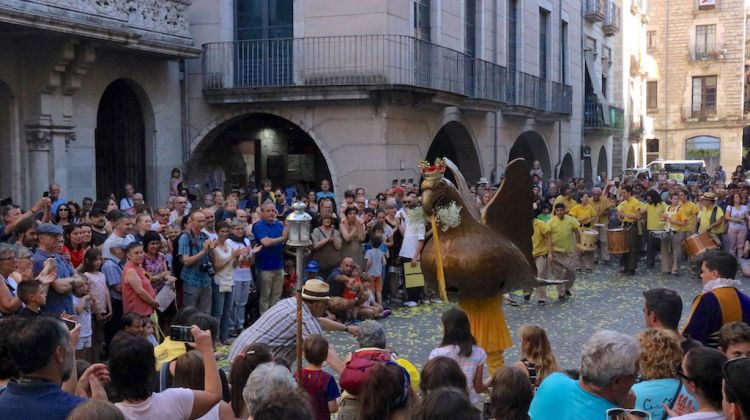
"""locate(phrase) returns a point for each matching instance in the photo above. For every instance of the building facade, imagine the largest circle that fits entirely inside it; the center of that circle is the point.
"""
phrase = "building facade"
(697, 100)
(360, 91)
(90, 95)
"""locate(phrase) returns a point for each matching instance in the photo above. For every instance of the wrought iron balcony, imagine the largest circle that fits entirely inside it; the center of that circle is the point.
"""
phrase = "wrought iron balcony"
(612, 21)
(702, 53)
(339, 67)
(593, 117)
(595, 10)
(156, 26)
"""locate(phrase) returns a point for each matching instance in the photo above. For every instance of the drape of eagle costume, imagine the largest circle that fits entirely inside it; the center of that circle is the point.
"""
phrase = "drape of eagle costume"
(487, 254)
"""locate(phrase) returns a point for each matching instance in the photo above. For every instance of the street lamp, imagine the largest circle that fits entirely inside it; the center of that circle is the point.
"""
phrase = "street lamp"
(299, 238)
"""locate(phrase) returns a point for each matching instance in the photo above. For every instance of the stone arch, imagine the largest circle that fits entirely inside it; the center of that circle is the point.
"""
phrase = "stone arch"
(567, 169)
(123, 139)
(531, 146)
(602, 163)
(630, 161)
(252, 146)
(454, 141)
(706, 148)
(209, 133)
(10, 170)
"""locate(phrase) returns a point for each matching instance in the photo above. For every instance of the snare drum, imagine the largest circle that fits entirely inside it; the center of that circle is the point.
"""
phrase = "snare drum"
(588, 240)
(699, 243)
(617, 241)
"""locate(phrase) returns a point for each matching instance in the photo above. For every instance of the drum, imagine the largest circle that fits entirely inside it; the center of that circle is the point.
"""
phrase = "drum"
(589, 238)
(617, 241)
(698, 243)
(660, 234)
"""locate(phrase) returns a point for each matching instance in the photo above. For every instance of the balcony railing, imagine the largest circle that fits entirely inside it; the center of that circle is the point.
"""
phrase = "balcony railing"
(383, 61)
(595, 10)
(593, 116)
(612, 21)
(706, 54)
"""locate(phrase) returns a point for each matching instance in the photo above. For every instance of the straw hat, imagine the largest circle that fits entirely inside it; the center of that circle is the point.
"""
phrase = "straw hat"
(315, 289)
(708, 196)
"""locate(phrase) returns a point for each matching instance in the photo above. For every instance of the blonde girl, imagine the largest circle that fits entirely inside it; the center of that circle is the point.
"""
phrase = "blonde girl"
(537, 359)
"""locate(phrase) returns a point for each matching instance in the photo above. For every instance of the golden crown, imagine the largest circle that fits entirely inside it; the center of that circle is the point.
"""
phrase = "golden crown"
(434, 171)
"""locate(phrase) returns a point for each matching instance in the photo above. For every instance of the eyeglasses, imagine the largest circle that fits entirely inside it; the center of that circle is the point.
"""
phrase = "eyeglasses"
(731, 397)
(614, 413)
(682, 374)
(7, 258)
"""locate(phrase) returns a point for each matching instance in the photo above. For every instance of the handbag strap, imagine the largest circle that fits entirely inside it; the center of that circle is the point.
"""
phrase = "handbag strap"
(674, 399)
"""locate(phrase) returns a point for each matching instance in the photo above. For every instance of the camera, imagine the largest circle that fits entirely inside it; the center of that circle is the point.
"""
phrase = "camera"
(208, 268)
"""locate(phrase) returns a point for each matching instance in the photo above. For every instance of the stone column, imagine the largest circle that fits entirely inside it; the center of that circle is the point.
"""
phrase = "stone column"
(38, 143)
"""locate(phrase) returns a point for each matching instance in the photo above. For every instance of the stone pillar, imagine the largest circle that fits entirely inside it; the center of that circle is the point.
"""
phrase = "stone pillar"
(38, 143)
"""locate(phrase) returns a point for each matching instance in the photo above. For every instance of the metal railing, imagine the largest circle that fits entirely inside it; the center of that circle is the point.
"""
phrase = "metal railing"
(374, 60)
(612, 21)
(593, 116)
(715, 53)
(595, 10)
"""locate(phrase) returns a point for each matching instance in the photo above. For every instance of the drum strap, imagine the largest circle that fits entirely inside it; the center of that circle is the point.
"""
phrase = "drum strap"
(712, 219)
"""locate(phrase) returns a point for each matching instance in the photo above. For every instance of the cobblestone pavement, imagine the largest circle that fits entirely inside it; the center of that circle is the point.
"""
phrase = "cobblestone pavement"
(602, 299)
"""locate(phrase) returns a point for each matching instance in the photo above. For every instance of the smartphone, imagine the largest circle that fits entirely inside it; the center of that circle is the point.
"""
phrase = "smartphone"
(45, 194)
(181, 333)
(69, 323)
(51, 262)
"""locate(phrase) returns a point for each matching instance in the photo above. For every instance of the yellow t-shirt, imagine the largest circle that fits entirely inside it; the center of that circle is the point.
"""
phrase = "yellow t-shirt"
(704, 216)
(562, 233)
(569, 202)
(653, 216)
(600, 207)
(687, 212)
(630, 206)
(584, 214)
(538, 239)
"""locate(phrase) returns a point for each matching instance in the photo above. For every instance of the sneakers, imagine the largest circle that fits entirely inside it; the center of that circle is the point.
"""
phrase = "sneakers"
(541, 303)
(510, 301)
(410, 304)
(385, 314)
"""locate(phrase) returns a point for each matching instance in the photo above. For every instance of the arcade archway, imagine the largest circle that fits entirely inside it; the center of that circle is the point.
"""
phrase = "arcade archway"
(567, 170)
(120, 141)
(454, 142)
(6, 144)
(244, 151)
(630, 162)
(602, 164)
(531, 146)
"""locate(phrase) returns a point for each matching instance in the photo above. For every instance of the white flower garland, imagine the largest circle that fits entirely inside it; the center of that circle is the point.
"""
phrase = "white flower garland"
(447, 216)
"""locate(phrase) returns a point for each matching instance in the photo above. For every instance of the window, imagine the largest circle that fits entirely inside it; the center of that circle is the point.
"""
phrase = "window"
(706, 148)
(606, 59)
(705, 40)
(704, 97)
(591, 46)
(470, 39)
(652, 150)
(604, 85)
(422, 19)
(264, 19)
(543, 33)
(652, 98)
(564, 52)
(651, 40)
(512, 35)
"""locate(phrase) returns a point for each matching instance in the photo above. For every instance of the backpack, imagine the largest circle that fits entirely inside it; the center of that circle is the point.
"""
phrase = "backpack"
(356, 370)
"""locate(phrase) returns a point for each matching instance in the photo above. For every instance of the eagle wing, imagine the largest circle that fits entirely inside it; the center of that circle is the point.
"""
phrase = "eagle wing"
(463, 190)
(509, 213)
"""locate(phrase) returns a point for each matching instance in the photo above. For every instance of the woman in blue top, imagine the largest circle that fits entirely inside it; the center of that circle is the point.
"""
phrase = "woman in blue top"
(661, 354)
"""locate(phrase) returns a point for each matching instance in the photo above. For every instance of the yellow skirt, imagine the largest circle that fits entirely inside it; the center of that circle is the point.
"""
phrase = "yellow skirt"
(488, 326)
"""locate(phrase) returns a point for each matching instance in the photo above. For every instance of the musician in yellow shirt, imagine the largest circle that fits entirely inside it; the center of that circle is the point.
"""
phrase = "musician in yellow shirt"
(671, 244)
(655, 209)
(711, 217)
(602, 205)
(541, 242)
(630, 211)
(562, 259)
(585, 214)
(565, 199)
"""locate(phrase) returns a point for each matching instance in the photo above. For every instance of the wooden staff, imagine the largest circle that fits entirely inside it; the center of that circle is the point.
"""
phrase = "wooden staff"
(438, 260)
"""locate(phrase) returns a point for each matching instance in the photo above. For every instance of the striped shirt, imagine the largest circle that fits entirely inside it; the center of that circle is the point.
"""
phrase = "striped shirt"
(277, 328)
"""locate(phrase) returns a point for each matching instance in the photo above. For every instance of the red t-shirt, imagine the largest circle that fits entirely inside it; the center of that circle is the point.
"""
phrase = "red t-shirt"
(130, 301)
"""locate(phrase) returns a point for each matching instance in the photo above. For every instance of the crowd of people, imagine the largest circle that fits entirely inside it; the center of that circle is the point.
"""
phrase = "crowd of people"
(91, 295)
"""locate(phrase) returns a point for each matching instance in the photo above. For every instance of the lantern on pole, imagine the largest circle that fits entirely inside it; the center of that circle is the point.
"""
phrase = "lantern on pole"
(299, 238)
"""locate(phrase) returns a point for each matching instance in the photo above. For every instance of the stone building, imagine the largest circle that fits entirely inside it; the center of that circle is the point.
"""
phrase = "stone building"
(697, 100)
(90, 95)
(359, 91)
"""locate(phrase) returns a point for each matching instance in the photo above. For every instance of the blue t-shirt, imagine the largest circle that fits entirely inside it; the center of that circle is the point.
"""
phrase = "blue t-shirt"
(649, 395)
(41, 400)
(57, 303)
(269, 258)
(561, 397)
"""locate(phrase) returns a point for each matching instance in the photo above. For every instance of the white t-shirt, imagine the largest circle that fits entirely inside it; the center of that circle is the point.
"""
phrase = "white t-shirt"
(413, 233)
(712, 415)
(172, 403)
(242, 272)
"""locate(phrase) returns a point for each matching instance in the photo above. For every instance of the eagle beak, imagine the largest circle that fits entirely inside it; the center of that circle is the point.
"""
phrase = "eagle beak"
(429, 196)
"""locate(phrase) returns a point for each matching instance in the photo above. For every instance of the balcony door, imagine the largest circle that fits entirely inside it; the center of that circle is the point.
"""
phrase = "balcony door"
(266, 58)
(423, 54)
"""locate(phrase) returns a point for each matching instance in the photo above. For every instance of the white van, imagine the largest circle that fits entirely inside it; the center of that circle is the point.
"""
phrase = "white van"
(676, 168)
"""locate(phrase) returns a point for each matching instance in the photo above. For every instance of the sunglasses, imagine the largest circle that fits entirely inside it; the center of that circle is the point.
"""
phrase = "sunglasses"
(682, 374)
(63, 209)
(616, 413)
